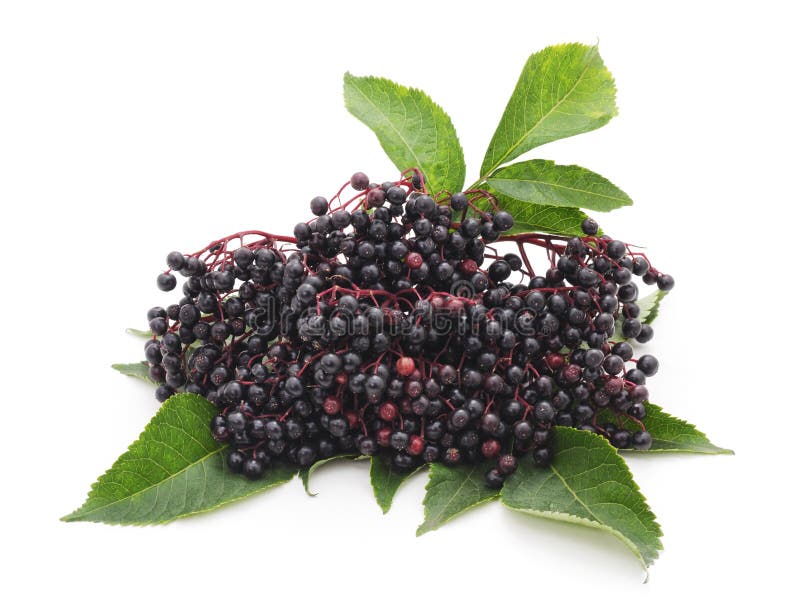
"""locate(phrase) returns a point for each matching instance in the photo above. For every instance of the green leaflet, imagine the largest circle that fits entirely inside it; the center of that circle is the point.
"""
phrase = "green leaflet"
(174, 469)
(139, 370)
(386, 480)
(544, 182)
(541, 218)
(587, 483)
(670, 434)
(563, 90)
(412, 129)
(453, 490)
(305, 474)
(144, 334)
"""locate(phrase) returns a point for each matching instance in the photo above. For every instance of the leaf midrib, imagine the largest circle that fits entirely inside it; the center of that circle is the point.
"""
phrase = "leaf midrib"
(541, 119)
(418, 162)
(78, 513)
(495, 180)
(574, 494)
(467, 477)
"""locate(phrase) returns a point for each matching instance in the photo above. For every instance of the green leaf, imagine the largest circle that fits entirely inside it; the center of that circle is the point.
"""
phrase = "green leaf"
(174, 469)
(145, 334)
(139, 370)
(587, 483)
(412, 129)
(648, 306)
(386, 479)
(563, 90)
(670, 434)
(546, 183)
(541, 218)
(453, 490)
(305, 474)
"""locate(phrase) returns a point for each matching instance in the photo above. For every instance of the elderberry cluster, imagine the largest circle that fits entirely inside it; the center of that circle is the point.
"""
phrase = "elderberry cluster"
(390, 324)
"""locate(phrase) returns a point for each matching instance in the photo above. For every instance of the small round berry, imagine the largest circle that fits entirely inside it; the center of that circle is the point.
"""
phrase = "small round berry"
(176, 261)
(665, 282)
(459, 201)
(253, 468)
(507, 464)
(319, 205)
(490, 448)
(542, 456)
(621, 438)
(646, 334)
(164, 392)
(589, 227)
(166, 282)
(615, 249)
(376, 197)
(641, 440)
(235, 461)
(647, 364)
(359, 181)
(503, 221)
(416, 445)
(405, 366)
(494, 479)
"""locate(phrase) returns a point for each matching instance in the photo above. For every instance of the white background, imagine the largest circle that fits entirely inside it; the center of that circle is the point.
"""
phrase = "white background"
(131, 129)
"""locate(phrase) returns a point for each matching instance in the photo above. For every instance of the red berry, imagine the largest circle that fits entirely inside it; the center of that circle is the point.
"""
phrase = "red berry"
(490, 448)
(469, 267)
(405, 366)
(352, 418)
(341, 378)
(554, 361)
(416, 445)
(332, 406)
(414, 260)
(388, 411)
(384, 436)
(572, 374)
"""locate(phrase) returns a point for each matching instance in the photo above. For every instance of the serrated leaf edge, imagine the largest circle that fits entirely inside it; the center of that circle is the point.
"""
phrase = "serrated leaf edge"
(635, 488)
(119, 366)
(595, 52)
(79, 514)
(421, 529)
(385, 509)
(493, 180)
(351, 78)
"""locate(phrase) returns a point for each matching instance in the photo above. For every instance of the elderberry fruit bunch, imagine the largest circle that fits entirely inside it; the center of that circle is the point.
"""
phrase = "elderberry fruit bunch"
(403, 324)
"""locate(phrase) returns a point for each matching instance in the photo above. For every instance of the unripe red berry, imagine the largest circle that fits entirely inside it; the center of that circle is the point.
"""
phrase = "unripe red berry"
(414, 260)
(490, 448)
(405, 366)
(416, 445)
(332, 406)
(384, 436)
(554, 361)
(388, 411)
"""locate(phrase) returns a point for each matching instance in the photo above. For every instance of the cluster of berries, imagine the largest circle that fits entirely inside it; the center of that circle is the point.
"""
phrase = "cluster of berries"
(391, 324)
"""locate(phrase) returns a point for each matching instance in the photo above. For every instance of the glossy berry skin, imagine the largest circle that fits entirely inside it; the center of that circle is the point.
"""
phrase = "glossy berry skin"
(397, 323)
(589, 227)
